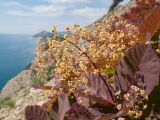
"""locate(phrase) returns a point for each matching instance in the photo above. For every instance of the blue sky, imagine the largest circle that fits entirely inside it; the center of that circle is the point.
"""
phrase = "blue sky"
(33, 16)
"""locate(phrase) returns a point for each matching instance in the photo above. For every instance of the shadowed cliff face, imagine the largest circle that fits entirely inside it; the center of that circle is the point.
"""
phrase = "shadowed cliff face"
(114, 4)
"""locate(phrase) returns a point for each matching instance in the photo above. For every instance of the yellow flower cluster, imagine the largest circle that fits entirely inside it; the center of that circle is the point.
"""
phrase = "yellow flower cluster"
(82, 50)
(76, 26)
(52, 43)
(85, 33)
(44, 59)
(108, 42)
(135, 114)
(138, 95)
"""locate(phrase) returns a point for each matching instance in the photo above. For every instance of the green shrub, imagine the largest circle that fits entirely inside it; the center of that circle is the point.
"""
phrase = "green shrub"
(35, 80)
(7, 102)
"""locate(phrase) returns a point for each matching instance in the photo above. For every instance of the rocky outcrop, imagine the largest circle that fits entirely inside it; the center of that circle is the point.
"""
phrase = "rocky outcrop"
(119, 10)
(22, 80)
(23, 98)
(19, 90)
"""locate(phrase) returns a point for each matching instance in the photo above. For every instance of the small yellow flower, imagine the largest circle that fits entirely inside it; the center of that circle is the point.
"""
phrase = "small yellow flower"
(131, 113)
(132, 42)
(76, 26)
(86, 91)
(66, 49)
(123, 47)
(53, 29)
(49, 39)
(142, 92)
(76, 35)
(132, 86)
(118, 93)
(119, 106)
(138, 114)
(68, 29)
(65, 36)
(146, 97)
(135, 88)
(144, 106)
(84, 30)
(97, 71)
(126, 96)
(158, 50)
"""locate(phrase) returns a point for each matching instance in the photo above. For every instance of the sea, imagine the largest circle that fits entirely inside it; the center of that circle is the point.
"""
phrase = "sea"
(16, 53)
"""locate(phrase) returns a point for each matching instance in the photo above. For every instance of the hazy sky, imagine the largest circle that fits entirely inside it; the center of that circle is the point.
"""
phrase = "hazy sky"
(32, 16)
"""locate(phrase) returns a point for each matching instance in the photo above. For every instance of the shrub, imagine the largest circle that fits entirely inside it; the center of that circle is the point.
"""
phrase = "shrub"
(35, 81)
(113, 68)
(7, 102)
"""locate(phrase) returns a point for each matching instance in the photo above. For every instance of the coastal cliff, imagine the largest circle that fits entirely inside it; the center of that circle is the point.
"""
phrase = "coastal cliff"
(19, 91)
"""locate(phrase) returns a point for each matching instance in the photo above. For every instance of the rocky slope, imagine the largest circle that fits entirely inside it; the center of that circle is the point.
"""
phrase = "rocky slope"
(23, 98)
(18, 93)
(22, 80)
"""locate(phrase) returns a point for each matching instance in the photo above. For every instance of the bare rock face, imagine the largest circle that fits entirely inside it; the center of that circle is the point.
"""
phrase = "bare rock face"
(22, 99)
(20, 93)
(22, 80)
(119, 10)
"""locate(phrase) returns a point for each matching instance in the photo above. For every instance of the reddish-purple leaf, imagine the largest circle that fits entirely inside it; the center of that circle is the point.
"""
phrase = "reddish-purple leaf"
(140, 2)
(152, 2)
(141, 59)
(64, 106)
(36, 113)
(150, 24)
(97, 91)
(79, 112)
